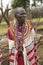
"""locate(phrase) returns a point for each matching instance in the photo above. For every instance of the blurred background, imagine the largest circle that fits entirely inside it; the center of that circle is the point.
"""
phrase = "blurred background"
(34, 9)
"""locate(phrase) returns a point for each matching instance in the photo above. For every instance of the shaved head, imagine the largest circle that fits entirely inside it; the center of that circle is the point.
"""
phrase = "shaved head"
(19, 10)
(20, 15)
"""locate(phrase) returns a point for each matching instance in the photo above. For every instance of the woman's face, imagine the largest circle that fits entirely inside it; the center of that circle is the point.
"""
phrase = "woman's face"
(21, 16)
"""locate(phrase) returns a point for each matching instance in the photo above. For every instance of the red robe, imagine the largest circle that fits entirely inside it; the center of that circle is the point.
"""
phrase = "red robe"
(20, 60)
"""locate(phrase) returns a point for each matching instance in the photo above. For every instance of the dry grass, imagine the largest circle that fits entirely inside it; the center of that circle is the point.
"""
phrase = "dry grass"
(40, 53)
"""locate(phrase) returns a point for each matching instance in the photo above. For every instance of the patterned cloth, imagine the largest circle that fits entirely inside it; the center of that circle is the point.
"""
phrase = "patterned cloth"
(0, 56)
(19, 37)
(29, 56)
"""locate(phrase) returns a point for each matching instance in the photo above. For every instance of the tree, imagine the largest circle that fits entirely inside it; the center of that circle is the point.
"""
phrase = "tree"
(34, 3)
(40, 1)
(4, 15)
(20, 3)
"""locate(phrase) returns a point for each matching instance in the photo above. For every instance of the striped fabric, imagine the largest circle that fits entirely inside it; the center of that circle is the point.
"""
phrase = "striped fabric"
(30, 50)
(36, 53)
(0, 56)
(32, 56)
(12, 58)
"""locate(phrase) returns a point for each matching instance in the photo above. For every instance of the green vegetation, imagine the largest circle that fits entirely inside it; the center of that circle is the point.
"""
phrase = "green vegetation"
(40, 27)
(24, 3)
(3, 30)
(20, 3)
(3, 22)
(36, 20)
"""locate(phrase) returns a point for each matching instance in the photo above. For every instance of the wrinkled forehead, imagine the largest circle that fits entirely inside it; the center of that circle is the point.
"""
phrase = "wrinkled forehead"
(19, 10)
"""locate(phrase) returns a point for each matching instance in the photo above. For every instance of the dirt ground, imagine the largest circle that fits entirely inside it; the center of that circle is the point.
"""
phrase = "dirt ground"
(40, 53)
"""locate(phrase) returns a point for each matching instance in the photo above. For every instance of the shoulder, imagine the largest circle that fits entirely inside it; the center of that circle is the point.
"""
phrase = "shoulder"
(10, 36)
(31, 27)
(32, 33)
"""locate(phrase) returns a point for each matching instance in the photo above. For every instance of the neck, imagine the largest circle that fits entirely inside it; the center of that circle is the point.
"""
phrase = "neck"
(21, 24)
